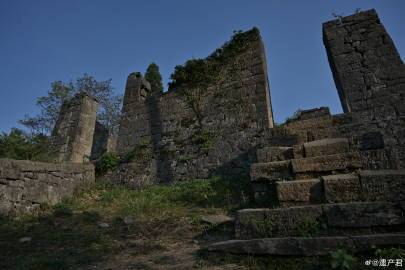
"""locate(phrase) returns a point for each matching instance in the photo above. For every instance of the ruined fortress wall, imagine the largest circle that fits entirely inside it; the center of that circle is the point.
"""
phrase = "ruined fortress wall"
(370, 78)
(72, 137)
(183, 143)
(367, 69)
(26, 185)
(380, 143)
(171, 141)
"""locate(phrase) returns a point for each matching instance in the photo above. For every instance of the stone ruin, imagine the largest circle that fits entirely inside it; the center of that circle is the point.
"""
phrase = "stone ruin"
(341, 184)
(173, 142)
(337, 178)
(26, 185)
(72, 136)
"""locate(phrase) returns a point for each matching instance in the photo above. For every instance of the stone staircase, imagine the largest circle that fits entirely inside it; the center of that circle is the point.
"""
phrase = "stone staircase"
(320, 200)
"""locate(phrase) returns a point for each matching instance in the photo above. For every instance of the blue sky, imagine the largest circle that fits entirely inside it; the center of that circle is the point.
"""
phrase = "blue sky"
(43, 41)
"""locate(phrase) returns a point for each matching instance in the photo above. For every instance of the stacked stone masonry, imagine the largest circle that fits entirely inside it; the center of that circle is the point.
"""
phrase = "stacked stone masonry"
(26, 185)
(368, 71)
(341, 183)
(178, 143)
(236, 116)
(72, 136)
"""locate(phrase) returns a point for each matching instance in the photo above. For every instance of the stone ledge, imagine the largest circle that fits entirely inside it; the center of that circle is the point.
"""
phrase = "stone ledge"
(326, 147)
(351, 160)
(341, 188)
(317, 219)
(270, 154)
(276, 170)
(307, 246)
(299, 192)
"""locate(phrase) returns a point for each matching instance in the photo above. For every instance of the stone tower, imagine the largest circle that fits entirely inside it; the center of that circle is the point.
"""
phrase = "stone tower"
(368, 71)
(134, 123)
(72, 136)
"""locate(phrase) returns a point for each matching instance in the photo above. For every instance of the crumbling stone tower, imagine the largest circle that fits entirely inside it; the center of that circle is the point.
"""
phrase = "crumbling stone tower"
(367, 69)
(134, 123)
(72, 136)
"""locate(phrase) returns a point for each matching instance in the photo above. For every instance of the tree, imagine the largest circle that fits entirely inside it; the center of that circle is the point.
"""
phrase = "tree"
(19, 145)
(108, 114)
(154, 77)
(50, 106)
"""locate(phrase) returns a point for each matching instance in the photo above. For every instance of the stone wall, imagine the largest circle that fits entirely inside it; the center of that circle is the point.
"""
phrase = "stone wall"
(370, 78)
(179, 142)
(72, 136)
(380, 143)
(26, 185)
(167, 138)
(368, 71)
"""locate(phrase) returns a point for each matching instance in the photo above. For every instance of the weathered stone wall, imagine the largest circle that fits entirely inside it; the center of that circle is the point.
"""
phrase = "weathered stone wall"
(368, 71)
(168, 140)
(181, 143)
(370, 78)
(72, 137)
(381, 143)
(26, 185)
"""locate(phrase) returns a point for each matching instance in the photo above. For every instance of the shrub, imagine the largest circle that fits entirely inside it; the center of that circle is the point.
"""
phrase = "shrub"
(108, 161)
(391, 253)
(340, 259)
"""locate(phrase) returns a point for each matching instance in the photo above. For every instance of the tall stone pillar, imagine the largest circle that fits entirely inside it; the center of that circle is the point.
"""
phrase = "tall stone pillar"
(368, 71)
(72, 136)
(135, 118)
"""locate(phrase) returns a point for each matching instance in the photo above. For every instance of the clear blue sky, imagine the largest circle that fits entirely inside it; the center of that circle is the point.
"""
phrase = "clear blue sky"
(43, 41)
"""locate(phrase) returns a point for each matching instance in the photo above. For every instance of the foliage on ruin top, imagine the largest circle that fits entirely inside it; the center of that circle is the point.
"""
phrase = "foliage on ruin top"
(153, 76)
(197, 73)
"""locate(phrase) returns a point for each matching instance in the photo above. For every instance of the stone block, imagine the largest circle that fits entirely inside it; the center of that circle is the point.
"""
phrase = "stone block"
(40, 183)
(363, 214)
(271, 171)
(350, 160)
(383, 185)
(298, 151)
(314, 113)
(326, 147)
(10, 193)
(342, 188)
(307, 246)
(299, 192)
(266, 222)
(270, 154)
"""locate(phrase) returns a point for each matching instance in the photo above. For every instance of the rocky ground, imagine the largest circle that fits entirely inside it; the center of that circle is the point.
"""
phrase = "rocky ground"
(163, 227)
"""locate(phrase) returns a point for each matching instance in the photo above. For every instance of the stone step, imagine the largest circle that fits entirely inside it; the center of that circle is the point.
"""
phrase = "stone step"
(383, 185)
(270, 154)
(326, 147)
(284, 170)
(323, 164)
(318, 219)
(299, 192)
(271, 171)
(308, 246)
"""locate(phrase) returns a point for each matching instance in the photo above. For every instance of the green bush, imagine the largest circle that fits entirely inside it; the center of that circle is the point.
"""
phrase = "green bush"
(62, 210)
(391, 253)
(108, 161)
(202, 72)
(20, 145)
(340, 259)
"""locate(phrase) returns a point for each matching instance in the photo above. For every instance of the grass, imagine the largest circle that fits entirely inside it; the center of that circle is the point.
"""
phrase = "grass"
(69, 235)
(151, 226)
